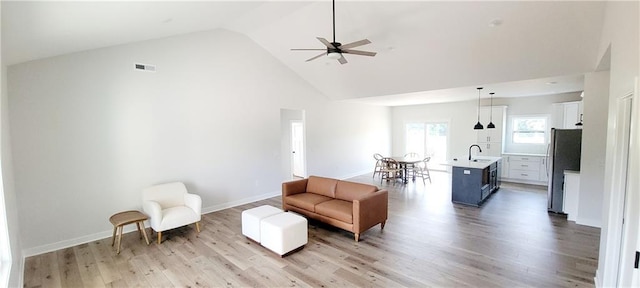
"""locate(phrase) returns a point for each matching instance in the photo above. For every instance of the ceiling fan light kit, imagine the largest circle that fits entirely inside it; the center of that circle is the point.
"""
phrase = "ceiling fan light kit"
(334, 55)
(335, 49)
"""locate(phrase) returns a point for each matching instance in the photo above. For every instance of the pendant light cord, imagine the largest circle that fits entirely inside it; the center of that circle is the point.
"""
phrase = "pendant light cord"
(479, 88)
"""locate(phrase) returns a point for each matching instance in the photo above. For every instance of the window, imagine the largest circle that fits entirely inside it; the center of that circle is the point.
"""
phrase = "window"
(428, 139)
(529, 130)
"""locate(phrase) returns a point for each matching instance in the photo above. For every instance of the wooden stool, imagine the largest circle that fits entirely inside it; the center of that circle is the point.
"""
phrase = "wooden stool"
(127, 217)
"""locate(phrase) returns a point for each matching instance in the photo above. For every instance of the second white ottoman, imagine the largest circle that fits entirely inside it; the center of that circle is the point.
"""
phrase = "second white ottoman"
(251, 220)
(283, 233)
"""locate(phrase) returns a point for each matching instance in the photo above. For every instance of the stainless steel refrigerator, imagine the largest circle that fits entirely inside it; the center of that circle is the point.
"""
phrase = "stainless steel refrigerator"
(563, 153)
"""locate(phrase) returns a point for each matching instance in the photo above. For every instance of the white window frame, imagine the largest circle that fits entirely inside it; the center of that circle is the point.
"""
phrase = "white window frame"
(513, 130)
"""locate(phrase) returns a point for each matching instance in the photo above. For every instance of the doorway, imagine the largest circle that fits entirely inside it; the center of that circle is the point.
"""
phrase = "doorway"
(297, 149)
(293, 161)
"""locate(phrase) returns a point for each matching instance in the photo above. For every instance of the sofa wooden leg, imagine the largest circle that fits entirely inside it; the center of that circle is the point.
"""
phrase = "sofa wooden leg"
(357, 236)
(159, 237)
(198, 226)
(382, 225)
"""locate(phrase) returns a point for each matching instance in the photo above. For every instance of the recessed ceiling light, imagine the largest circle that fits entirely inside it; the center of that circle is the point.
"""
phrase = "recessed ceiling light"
(495, 22)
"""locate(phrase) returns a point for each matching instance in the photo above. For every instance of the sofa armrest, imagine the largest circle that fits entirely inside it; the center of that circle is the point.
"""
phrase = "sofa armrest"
(194, 202)
(294, 187)
(154, 211)
(370, 210)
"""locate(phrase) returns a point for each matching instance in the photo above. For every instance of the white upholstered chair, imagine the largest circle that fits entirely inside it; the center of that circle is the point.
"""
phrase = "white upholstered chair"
(170, 206)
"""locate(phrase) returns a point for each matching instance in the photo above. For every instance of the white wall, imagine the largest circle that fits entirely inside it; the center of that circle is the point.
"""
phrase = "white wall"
(460, 115)
(8, 189)
(595, 108)
(463, 115)
(620, 33)
(533, 105)
(15, 273)
(89, 132)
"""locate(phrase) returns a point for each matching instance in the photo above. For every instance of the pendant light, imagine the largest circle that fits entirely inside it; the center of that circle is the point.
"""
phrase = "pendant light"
(491, 125)
(478, 126)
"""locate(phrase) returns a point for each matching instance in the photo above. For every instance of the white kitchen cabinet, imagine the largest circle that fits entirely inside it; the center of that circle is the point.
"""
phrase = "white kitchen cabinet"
(490, 140)
(571, 194)
(487, 135)
(566, 115)
(490, 149)
(529, 169)
(505, 167)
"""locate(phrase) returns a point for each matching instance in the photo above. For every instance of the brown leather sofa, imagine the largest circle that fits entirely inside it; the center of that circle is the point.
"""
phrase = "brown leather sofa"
(351, 206)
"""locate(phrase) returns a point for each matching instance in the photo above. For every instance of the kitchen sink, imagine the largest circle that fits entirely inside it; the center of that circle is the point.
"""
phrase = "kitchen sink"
(481, 160)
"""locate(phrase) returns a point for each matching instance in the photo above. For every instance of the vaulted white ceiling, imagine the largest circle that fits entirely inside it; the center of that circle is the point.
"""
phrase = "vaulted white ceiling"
(427, 51)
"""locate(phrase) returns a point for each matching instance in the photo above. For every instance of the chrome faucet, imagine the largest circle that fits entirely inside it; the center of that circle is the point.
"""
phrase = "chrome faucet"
(479, 149)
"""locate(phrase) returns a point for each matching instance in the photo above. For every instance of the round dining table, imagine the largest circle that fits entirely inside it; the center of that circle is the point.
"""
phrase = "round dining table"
(405, 163)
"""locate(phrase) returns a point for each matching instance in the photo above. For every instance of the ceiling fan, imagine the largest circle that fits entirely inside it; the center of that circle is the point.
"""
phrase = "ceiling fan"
(335, 49)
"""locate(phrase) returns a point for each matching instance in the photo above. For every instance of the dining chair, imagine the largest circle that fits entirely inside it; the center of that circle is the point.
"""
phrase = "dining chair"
(411, 166)
(378, 167)
(390, 170)
(422, 170)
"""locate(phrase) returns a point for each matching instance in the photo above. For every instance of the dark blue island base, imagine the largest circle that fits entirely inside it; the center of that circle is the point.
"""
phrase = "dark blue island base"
(472, 186)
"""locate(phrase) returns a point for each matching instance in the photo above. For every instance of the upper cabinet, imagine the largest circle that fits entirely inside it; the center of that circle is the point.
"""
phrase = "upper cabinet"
(490, 140)
(566, 115)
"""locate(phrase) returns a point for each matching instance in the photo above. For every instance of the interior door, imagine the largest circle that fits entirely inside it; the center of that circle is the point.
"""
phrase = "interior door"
(297, 149)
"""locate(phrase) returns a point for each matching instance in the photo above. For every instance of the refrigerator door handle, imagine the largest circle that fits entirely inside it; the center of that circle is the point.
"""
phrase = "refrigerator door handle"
(547, 159)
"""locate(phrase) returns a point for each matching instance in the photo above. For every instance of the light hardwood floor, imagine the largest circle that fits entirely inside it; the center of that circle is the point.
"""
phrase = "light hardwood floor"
(511, 241)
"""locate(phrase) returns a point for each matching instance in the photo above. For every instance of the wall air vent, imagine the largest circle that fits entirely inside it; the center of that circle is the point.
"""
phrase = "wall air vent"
(145, 67)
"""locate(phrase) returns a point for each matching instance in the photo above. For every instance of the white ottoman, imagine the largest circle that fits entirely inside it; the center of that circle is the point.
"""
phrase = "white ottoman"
(251, 220)
(283, 233)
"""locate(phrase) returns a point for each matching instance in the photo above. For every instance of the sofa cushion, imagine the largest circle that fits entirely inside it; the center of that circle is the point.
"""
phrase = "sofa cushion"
(322, 186)
(350, 191)
(306, 201)
(336, 209)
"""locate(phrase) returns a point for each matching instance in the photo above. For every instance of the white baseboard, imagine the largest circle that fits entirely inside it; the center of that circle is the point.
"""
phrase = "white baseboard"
(588, 222)
(520, 181)
(131, 228)
(344, 177)
(70, 242)
(231, 204)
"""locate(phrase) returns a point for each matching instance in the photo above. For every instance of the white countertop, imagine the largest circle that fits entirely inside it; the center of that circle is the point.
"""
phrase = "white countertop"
(483, 162)
(524, 154)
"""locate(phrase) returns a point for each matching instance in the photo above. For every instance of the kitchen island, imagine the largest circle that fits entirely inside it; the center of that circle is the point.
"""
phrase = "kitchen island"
(472, 181)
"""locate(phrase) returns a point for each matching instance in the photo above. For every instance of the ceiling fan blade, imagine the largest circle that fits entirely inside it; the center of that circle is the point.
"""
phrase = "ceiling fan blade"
(356, 44)
(315, 57)
(358, 52)
(325, 42)
(342, 60)
(309, 49)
